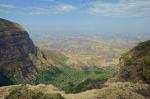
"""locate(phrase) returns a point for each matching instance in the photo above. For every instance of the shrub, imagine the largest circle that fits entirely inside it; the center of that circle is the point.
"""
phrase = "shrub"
(146, 69)
(68, 79)
(126, 59)
(28, 94)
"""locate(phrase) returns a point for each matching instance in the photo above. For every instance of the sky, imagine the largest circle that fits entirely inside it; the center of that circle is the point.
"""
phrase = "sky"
(79, 16)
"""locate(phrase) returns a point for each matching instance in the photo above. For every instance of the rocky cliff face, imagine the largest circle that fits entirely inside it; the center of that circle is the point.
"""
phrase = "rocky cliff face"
(135, 64)
(18, 54)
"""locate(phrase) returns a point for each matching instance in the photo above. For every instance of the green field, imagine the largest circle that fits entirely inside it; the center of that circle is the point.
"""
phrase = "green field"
(71, 80)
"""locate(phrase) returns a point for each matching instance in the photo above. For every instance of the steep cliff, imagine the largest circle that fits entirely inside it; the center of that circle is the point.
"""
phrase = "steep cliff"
(135, 64)
(19, 57)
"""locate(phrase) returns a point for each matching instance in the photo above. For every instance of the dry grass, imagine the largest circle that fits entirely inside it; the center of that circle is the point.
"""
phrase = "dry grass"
(113, 90)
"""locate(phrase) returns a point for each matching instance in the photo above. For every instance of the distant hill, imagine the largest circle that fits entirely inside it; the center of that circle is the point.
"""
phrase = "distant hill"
(90, 49)
(84, 50)
(55, 57)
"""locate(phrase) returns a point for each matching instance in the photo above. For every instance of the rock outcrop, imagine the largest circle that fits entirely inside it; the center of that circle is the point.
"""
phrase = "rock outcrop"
(18, 55)
(135, 64)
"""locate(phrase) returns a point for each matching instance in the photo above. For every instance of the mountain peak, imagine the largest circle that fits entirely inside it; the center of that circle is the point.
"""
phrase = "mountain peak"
(6, 25)
(18, 54)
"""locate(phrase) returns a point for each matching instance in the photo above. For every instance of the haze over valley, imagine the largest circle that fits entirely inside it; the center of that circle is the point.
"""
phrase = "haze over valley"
(74, 49)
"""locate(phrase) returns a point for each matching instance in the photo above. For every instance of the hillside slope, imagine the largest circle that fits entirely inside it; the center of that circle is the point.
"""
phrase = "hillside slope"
(83, 50)
(21, 62)
(135, 64)
(131, 88)
(19, 57)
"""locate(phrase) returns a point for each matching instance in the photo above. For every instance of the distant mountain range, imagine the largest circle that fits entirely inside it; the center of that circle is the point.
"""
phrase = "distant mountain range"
(85, 50)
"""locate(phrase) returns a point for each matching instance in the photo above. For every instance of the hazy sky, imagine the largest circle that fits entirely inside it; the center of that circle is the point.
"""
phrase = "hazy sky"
(91, 16)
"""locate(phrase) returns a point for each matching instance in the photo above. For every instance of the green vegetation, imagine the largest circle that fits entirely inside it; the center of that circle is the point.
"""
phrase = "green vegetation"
(24, 93)
(144, 47)
(9, 77)
(147, 61)
(69, 79)
(137, 66)
(4, 77)
(45, 76)
(65, 78)
(146, 69)
(126, 59)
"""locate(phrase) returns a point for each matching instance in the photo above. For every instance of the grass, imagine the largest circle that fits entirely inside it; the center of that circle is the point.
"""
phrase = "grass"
(65, 78)
(25, 93)
(146, 69)
(68, 79)
(126, 59)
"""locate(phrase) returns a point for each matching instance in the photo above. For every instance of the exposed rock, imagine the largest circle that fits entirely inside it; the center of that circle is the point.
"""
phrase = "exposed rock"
(115, 90)
(135, 65)
(18, 54)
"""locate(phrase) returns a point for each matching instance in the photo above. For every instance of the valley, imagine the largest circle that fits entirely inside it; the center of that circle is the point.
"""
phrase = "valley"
(84, 50)
(71, 67)
(49, 66)
(72, 80)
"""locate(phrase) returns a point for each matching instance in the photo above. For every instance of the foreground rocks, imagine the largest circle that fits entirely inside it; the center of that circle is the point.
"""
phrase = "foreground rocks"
(116, 90)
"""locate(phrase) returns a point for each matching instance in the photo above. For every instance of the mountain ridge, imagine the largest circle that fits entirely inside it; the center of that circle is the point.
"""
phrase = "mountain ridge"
(19, 57)
(134, 65)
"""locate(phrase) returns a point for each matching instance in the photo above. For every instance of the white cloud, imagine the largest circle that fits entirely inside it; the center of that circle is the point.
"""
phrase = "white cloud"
(63, 8)
(36, 10)
(122, 8)
(7, 6)
(52, 9)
